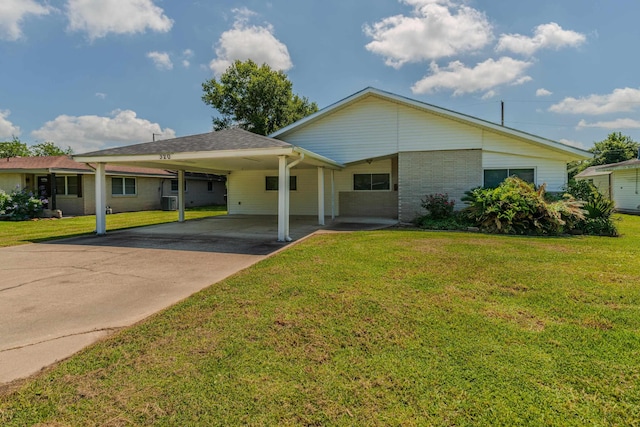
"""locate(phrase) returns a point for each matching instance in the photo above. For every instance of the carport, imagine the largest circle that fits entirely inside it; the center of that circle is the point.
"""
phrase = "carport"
(219, 153)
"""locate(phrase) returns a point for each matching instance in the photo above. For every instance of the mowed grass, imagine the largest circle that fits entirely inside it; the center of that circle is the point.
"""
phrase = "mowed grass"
(39, 230)
(376, 328)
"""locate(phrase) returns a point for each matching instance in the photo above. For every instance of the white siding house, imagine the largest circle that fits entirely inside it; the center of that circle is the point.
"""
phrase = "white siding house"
(372, 154)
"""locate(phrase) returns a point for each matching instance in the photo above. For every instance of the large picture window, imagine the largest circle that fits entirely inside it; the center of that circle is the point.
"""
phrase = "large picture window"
(67, 185)
(371, 181)
(121, 186)
(271, 183)
(494, 177)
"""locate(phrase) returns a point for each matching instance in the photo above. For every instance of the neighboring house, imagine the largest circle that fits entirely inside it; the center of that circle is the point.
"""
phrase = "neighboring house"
(619, 181)
(70, 186)
(384, 153)
(201, 189)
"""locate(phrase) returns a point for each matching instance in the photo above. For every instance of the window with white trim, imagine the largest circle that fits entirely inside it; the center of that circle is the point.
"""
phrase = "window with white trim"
(371, 181)
(271, 183)
(67, 185)
(494, 177)
(122, 186)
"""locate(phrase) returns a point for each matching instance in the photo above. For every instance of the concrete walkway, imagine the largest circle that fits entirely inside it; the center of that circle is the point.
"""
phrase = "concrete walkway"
(58, 297)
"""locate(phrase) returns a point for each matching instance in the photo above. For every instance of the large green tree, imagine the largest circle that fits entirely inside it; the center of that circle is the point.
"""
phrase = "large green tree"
(49, 149)
(17, 148)
(616, 148)
(14, 148)
(256, 98)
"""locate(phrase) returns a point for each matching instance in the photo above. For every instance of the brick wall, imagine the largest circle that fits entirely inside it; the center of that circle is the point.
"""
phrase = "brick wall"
(382, 204)
(427, 172)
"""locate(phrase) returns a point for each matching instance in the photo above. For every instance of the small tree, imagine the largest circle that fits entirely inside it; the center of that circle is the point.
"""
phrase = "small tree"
(14, 148)
(616, 148)
(254, 98)
(49, 149)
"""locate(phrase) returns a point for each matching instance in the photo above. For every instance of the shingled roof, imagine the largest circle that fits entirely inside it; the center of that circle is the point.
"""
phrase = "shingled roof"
(227, 139)
(65, 163)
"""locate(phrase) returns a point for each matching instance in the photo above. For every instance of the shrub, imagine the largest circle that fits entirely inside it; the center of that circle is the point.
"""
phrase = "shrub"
(517, 207)
(438, 206)
(598, 209)
(19, 205)
(457, 221)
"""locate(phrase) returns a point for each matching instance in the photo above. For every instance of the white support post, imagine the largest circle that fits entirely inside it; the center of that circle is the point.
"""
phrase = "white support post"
(287, 205)
(320, 195)
(181, 196)
(101, 199)
(282, 200)
(333, 195)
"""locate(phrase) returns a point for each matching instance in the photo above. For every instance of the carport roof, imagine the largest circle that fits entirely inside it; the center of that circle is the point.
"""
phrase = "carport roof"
(214, 152)
(227, 139)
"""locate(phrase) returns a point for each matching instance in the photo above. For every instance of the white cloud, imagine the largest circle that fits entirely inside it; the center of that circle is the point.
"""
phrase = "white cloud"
(245, 41)
(13, 12)
(161, 60)
(101, 95)
(437, 29)
(90, 133)
(187, 54)
(545, 36)
(7, 129)
(543, 92)
(99, 18)
(484, 76)
(613, 124)
(620, 100)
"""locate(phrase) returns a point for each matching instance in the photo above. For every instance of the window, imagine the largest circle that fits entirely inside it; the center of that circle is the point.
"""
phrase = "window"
(210, 186)
(67, 185)
(371, 181)
(121, 186)
(174, 185)
(271, 183)
(494, 177)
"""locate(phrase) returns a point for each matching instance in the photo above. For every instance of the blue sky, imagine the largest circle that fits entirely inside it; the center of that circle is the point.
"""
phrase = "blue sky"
(93, 74)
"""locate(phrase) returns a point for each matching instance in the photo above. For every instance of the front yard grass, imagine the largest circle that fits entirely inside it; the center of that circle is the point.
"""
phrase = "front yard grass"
(20, 232)
(376, 328)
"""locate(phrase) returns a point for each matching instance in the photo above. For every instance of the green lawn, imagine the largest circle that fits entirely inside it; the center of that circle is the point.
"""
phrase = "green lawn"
(20, 232)
(376, 328)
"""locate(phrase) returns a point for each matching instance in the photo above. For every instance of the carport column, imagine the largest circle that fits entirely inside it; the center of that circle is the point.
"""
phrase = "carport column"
(101, 199)
(180, 196)
(320, 195)
(283, 219)
(333, 195)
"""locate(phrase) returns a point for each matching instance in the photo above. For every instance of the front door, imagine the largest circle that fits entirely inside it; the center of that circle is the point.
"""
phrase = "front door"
(44, 190)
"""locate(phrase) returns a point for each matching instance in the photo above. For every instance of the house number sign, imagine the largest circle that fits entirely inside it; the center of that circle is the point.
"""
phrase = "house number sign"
(165, 156)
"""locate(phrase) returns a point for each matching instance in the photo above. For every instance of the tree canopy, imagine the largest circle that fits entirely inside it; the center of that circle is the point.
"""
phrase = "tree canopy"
(49, 149)
(14, 148)
(616, 148)
(255, 98)
(17, 148)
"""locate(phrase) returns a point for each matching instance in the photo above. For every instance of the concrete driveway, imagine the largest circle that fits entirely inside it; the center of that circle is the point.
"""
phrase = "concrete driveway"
(58, 297)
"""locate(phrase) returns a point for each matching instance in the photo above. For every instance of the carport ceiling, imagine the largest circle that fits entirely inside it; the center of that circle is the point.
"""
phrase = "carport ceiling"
(215, 152)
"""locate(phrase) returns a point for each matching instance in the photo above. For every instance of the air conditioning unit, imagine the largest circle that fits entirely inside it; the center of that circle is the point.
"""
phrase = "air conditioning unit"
(169, 203)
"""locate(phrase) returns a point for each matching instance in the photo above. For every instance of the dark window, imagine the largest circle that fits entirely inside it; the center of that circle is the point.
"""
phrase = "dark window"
(271, 183)
(67, 185)
(371, 181)
(210, 186)
(174, 185)
(494, 177)
(121, 186)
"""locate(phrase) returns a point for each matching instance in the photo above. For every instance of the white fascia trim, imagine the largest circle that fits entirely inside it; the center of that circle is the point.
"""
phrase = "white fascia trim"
(169, 156)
